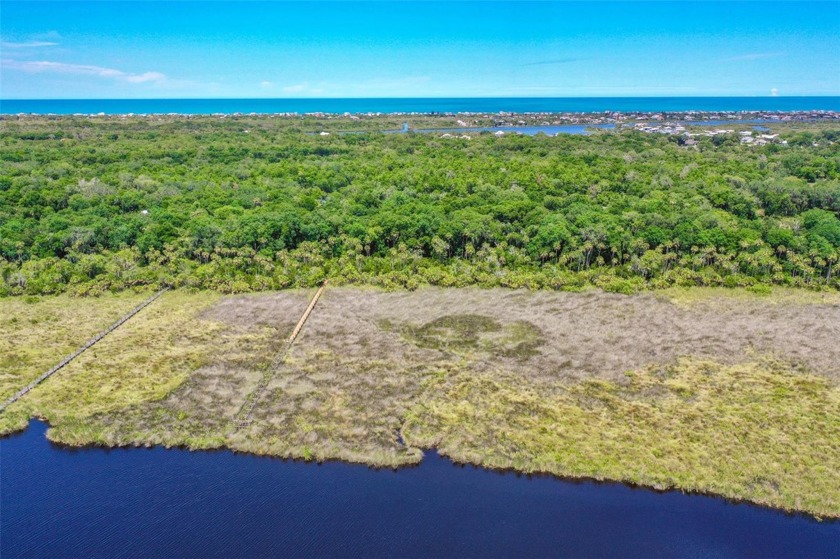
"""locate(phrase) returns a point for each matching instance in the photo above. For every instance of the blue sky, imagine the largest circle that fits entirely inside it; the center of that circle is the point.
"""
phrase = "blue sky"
(417, 49)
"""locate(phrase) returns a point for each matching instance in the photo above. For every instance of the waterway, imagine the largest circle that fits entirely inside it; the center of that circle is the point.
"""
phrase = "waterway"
(96, 502)
(551, 129)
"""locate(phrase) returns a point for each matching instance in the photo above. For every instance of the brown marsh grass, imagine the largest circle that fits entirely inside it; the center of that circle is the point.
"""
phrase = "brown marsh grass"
(725, 392)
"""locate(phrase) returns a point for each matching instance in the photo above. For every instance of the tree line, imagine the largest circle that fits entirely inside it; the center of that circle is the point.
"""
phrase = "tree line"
(254, 203)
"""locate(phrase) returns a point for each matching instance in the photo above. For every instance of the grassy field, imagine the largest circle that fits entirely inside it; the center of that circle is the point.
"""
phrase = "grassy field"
(727, 392)
(754, 431)
(144, 360)
(36, 332)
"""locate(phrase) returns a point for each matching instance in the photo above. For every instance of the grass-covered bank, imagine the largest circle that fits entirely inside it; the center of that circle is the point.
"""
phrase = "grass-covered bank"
(143, 360)
(727, 392)
(754, 431)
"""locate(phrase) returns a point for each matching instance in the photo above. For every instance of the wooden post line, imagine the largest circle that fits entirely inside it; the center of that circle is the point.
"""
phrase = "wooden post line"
(64, 362)
(244, 414)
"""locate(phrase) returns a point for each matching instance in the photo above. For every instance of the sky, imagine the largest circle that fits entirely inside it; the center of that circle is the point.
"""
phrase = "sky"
(110, 49)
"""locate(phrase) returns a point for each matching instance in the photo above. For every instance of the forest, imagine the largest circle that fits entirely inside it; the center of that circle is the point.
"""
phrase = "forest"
(251, 203)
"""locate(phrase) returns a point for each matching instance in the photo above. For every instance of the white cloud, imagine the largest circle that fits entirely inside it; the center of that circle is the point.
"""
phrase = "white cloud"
(145, 77)
(26, 44)
(774, 92)
(45, 66)
(266, 84)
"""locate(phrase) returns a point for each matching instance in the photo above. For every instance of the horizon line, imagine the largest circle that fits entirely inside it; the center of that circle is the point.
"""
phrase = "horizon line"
(837, 95)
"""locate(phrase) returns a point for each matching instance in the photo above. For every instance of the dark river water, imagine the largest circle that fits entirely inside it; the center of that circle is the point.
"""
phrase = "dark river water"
(174, 503)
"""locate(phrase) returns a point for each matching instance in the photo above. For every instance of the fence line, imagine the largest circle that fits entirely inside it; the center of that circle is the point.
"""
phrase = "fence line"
(244, 415)
(22, 392)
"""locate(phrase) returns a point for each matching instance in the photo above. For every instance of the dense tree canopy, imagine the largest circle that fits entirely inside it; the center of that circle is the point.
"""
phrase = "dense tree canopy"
(255, 203)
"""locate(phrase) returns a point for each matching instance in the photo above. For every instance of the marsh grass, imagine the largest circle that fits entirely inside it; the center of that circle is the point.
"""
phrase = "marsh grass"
(461, 333)
(218, 351)
(342, 393)
(757, 431)
(37, 332)
(731, 395)
(144, 360)
(688, 296)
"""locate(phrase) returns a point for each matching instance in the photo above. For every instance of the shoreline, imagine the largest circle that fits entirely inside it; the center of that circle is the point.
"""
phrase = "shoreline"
(420, 430)
(565, 478)
(412, 437)
(609, 115)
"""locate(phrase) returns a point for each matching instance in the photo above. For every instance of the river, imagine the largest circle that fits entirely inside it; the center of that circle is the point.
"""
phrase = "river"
(97, 502)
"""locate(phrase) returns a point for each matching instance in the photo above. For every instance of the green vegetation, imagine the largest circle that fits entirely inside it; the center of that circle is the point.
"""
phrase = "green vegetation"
(36, 332)
(754, 431)
(721, 391)
(252, 203)
(729, 391)
(466, 332)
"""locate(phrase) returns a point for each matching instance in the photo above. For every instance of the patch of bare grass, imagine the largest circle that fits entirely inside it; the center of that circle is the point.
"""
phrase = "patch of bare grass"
(343, 391)
(575, 336)
(235, 339)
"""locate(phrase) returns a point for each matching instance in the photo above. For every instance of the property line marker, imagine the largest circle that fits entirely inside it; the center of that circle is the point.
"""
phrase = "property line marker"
(90, 343)
(244, 415)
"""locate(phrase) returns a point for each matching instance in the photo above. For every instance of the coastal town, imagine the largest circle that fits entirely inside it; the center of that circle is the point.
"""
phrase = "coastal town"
(757, 137)
(688, 127)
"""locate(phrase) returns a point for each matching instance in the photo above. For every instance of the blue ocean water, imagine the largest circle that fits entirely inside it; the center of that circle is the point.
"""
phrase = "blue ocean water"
(174, 503)
(419, 105)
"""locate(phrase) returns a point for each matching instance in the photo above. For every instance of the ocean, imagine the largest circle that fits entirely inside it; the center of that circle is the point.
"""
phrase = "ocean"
(419, 105)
